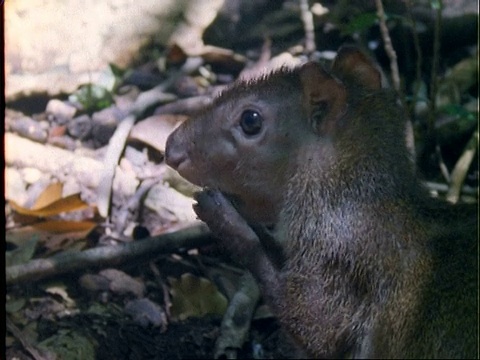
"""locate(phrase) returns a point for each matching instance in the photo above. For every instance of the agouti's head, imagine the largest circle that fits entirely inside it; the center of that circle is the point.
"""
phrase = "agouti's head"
(246, 143)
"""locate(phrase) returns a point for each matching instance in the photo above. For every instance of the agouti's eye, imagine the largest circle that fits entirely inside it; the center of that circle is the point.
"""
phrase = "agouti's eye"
(251, 122)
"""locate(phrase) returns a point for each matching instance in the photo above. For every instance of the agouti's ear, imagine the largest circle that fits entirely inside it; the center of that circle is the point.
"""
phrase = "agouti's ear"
(353, 66)
(324, 97)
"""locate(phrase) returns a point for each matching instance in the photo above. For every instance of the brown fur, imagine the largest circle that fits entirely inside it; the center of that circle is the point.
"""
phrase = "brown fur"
(370, 266)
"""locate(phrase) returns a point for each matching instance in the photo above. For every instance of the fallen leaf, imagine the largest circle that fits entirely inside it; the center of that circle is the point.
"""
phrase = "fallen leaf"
(67, 344)
(69, 203)
(52, 193)
(169, 204)
(21, 254)
(61, 226)
(195, 296)
(13, 305)
(61, 291)
(54, 236)
(155, 129)
(19, 236)
(63, 242)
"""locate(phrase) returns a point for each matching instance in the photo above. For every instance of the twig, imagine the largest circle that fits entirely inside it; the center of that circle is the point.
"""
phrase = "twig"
(24, 340)
(166, 294)
(433, 76)
(461, 168)
(392, 55)
(237, 318)
(418, 51)
(193, 236)
(441, 164)
(114, 151)
(117, 142)
(129, 211)
(443, 188)
(307, 18)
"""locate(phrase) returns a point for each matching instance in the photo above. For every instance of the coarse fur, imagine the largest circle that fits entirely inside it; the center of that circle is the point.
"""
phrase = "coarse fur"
(370, 266)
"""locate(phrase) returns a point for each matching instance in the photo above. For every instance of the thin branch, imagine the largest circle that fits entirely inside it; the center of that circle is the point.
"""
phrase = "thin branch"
(193, 236)
(418, 51)
(25, 341)
(116, 144)
(115, 149)
(129, 211)
(237, 319)
(307, 18)
(461, 168)
(467, 191)
(392, 55)
(433, 76)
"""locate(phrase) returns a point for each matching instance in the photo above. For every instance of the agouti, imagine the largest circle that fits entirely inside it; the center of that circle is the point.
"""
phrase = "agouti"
(365, 264)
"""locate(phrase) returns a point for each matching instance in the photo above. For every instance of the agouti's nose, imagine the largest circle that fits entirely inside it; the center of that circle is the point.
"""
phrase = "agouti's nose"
(174, 154)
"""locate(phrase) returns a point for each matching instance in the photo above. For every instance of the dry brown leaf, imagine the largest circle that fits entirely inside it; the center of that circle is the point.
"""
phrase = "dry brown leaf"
(69, 203)
(53, 235)
(176, 55)
(65, 227)
(155, 129)
(72, 241)
(52, 193)
(225, 57)
(57, 234)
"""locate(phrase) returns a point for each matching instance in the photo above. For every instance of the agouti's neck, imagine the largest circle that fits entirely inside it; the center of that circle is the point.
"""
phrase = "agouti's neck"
(344, 200)
(257, 209)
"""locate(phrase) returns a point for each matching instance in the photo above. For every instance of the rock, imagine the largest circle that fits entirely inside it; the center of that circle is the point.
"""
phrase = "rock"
(29, 128)
(15, 186)
(80, 127)
(60, 109)
(122, 283)
(31, 175)
(145, 312)
(104, 124)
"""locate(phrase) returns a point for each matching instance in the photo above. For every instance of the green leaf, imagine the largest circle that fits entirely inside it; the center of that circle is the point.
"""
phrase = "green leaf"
(195, 296)
(360, 23)
(22, 254)
(435, 4)
(70, 345)
(117, 71)
(92, 97)
(458, 111)
(14, 305)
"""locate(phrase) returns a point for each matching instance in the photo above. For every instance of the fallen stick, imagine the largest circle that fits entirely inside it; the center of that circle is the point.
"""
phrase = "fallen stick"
(237, 319)
(191, 237)
(63, 164)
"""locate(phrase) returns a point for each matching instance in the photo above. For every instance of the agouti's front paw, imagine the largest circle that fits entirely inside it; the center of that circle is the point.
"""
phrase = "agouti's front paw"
(225, 222)
(217, 212)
